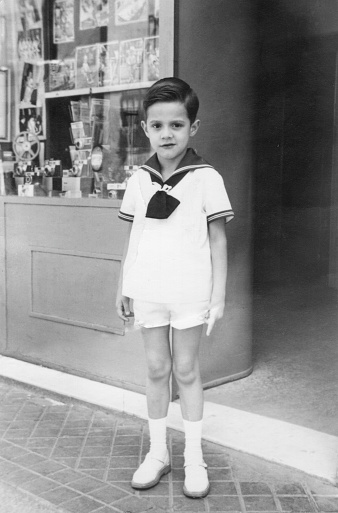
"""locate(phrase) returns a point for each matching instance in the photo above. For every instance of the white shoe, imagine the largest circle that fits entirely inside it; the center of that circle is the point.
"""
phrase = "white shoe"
(150, 472)
(196, 484)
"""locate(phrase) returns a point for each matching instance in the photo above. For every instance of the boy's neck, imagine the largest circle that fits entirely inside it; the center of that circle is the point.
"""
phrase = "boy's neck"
(169, 167)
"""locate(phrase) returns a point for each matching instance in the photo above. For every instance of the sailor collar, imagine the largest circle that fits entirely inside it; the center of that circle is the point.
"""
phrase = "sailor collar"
(189, 162)
(162, 204)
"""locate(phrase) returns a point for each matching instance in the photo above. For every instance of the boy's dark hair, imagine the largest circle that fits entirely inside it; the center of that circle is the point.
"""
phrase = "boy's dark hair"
(172, 89)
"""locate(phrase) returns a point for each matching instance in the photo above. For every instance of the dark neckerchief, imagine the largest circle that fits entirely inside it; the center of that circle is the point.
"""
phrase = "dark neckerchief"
(162, 204)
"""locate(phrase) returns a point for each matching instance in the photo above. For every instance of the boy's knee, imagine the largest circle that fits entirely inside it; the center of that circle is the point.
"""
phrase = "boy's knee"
(185, 372)
(158, 371)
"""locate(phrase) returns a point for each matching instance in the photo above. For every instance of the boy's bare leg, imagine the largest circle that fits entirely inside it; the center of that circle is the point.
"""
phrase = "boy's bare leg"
(187, 371)
(158, 358)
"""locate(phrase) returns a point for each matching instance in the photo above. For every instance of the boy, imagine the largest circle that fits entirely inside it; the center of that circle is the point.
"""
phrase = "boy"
(174, 268)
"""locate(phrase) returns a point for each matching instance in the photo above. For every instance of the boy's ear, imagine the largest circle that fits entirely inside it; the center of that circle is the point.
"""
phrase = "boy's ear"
(144, 126)
(194, 127)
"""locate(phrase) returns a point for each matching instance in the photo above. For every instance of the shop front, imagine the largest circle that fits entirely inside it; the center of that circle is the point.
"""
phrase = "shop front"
(73, 75)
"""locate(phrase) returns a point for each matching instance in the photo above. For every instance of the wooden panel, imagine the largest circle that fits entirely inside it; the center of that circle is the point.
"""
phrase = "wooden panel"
(75, 288)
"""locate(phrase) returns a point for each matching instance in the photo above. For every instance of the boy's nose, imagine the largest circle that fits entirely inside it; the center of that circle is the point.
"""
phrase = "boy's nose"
(166, 133)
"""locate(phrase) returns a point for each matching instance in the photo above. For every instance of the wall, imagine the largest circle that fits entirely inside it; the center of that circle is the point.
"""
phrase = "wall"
(294, 126)
(216, 54)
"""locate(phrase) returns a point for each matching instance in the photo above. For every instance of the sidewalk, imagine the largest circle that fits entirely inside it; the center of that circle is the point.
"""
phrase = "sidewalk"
(62, 456)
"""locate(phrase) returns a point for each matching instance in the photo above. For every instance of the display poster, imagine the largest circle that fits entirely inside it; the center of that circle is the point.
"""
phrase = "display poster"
(151, 58)
(31, 120)
(93, 13)
(108, 71)
(30, 14)
(61, 75)
(31, 85)
(131, 61)
(63, 21)
(130, 12)
(87, 66)
(30, 45)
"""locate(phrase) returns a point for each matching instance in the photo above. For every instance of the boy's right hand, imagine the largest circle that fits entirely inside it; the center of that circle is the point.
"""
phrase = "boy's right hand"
(123, 307)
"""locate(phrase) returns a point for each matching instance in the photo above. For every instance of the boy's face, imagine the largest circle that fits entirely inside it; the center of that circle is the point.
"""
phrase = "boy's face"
(169, 130)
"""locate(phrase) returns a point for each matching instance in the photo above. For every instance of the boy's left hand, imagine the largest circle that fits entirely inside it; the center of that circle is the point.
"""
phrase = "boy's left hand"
(214, 313)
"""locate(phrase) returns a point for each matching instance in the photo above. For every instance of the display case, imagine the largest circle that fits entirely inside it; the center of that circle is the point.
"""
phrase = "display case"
(80, 70)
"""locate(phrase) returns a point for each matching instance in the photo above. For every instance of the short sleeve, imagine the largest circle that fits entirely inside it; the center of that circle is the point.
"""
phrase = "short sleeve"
(217, 203)
(127, 210)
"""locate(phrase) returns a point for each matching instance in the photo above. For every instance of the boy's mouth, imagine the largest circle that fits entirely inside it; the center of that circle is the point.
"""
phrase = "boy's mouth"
(168, 145)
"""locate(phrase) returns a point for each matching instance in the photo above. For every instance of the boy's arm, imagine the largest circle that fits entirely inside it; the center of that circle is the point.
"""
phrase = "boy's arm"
(218, 248)
(122, 302)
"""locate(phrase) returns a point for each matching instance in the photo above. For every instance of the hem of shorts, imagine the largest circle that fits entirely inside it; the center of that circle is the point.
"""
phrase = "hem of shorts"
(188, 327)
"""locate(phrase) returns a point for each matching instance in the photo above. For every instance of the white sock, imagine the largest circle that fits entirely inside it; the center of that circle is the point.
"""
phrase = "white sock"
(193, 440)
(158, 437)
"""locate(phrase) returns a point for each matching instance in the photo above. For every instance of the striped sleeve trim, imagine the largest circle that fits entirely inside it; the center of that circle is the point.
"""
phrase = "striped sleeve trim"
(228, 214)
(126, 217)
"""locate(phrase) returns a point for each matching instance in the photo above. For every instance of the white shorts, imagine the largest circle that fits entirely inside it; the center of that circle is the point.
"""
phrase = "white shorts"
(179, 315)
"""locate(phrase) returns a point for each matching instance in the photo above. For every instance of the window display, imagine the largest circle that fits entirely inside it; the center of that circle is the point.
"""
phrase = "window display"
(80, 71)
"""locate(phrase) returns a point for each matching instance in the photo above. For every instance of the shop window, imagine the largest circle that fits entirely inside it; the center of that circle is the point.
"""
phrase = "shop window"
(78, 71)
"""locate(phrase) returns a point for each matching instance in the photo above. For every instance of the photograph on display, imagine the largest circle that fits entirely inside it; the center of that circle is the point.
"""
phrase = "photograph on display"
(131, 61)
(130, 12)
(87, 66)
(30, 45)
(61, 75)
(108, 72)
(31, 85)
(93, 13)
(63, 21)
(99, 110)
(31, 120)
(30, 14)
(151, 58)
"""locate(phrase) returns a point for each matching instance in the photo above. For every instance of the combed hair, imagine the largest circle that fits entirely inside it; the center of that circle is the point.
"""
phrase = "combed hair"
(172, 89)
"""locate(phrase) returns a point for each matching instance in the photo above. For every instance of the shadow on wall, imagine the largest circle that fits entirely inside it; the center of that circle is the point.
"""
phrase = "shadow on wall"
(294, 138)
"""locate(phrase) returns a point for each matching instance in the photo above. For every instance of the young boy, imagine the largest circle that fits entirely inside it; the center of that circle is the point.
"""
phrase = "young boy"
(174, 268)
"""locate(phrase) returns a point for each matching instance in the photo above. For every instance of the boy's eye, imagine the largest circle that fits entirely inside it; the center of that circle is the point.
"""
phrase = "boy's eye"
(156, 125)
(177, 125)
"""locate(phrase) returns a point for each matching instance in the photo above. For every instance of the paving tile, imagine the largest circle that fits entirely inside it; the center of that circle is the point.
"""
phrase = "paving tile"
(223, 488)
(81, 504)
(216, 460)
(73, 432)
(121, 474)
(41, 442)
(47, 467)
(70, 441)
(66, 452)
(99, 441)
(260, 503)
(95, 463)
(290, 489)
(124, 462)
(70, 462)
(95, 451)
(108, 494)
(59, 495)
(6, 467)
(136, 505)
(161, 489)
(106, 509)
(254, 488)
(66, 476)
(11, 452)
(86, 484)
(326, 503)
(98, 474)
(44, 451)
(39, 485)
(186, 504)
(125, 450)
(159, 503)
(220, 474)
(19, 477)
(27, 460)
(223, 503)
(127, 440)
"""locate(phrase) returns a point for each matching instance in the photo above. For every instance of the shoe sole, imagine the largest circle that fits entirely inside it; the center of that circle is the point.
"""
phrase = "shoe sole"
(196, 495)
(154, 482)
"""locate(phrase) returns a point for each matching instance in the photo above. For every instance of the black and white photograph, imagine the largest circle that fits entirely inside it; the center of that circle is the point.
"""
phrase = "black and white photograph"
(168, 256)
(87, 65)
(63, 21)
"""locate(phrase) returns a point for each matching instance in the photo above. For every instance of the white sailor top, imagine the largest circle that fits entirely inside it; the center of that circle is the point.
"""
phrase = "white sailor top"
(168, 258)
